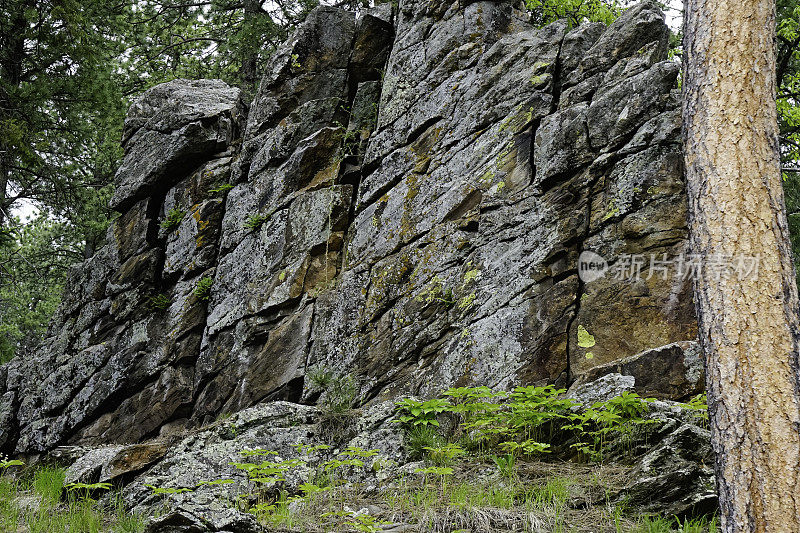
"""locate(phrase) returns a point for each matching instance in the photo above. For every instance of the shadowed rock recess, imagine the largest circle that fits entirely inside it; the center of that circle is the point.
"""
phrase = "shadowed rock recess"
(404, 201)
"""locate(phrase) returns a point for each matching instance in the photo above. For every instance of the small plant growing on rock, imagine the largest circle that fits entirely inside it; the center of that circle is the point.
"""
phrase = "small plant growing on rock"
(296, 65)
(173, 219)
(219, 190)
(414, 413)
(254, 222)
(699, 408)
(203, 289)
(320, 377)
(6, 463)
(168, 491)
(159, 302)
(340, 391)
(436, 291)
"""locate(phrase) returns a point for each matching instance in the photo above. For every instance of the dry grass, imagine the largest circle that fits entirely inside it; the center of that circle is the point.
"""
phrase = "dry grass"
(545, 497)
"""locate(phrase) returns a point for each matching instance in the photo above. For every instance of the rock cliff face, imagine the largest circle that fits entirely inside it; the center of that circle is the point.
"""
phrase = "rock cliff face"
(404, 201)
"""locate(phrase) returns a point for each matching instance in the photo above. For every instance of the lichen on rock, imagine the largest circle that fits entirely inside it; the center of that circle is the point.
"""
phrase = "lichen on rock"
(404, 202)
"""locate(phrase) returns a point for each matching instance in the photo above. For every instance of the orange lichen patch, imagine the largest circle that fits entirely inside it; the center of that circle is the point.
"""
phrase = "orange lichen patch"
(202, 227)
(327, 176)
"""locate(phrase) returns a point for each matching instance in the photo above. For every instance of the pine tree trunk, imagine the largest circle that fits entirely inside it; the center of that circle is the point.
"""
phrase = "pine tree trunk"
(749, 326)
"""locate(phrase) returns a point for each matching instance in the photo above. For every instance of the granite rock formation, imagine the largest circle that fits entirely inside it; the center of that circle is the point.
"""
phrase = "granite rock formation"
(404, 201)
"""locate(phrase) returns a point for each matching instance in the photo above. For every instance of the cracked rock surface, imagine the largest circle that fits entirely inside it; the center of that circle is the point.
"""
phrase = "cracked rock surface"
(404, 201)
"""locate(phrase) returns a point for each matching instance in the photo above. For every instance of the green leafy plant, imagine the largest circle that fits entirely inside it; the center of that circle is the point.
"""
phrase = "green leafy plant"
(168, 491)
(173, 219)
(254, 222)
(5, 462)
(573, 11)
(506, 465)
(699, 408)
(445, 454)
(159, 302)
(220, 190)
(346, 519)
(619, 416)
(412, 413)
(87, 489)
(203, 289)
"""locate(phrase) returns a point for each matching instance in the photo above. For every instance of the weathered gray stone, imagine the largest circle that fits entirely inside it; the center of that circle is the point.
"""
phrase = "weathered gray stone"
(7, 418)
(636, 28)
(110, 463)
(608, 386)
(677, 476)
(200, 518)
(405, 204)
(170, 129)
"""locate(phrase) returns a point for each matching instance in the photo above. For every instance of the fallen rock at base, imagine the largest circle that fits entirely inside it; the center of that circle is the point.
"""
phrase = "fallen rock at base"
(677, 476)
(667, 460)
(205, 455)
(602, 389)
(109, 463)
(210, 519)
(674, 371)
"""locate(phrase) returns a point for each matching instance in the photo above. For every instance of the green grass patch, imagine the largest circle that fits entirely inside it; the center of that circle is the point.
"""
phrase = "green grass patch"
(37, 502)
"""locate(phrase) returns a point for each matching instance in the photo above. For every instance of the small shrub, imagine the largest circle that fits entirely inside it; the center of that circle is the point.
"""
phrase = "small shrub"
(320, 377)
(203, 289)
(444, 455)
(619, 417)
(414, 413)
(173, 219)
(342, 392)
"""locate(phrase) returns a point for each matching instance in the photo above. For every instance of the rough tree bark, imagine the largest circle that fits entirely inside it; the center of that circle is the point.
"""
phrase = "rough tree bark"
(748, 327)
